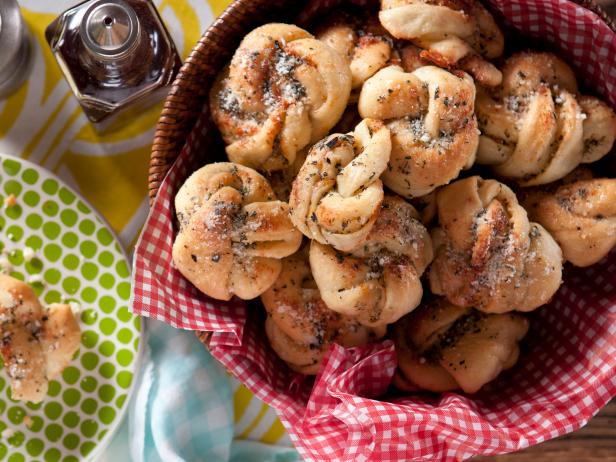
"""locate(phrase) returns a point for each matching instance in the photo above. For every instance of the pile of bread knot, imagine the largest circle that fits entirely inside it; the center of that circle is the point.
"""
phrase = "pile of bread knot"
(348, 179)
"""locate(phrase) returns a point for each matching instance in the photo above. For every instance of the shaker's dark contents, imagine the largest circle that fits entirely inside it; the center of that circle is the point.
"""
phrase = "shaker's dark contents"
(114, 55)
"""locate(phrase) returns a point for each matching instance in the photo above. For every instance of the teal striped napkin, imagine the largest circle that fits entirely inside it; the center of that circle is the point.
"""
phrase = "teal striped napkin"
(182, 410)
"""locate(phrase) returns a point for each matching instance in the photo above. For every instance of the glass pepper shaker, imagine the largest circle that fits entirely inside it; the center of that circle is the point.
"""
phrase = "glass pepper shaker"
(116, 55)
(14, 48)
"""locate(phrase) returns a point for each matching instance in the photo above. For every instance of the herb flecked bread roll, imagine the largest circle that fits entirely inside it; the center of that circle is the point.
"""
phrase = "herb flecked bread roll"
(430, 114)
(283, 90)
(454, 34)
(362, 41)
(535, 127)
(487, 254)
(233, 232)
(580, 212)
(337, 194)
(378, 281)
(300, 327)
(442, 347)
(37, 343)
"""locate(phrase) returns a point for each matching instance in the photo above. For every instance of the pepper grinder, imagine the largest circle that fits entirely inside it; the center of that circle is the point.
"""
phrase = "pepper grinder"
(116, 55)
(14, 48)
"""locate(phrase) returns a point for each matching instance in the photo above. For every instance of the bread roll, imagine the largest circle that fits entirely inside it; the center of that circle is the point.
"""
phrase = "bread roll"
(442, 347)
(535, 127)
(283, 90)
(430, 114)
(337, 194)
(233, 232)
(300, 327)
(454, 34)
(488, 255)
(377, 282)
(580, 212)
(37, 343)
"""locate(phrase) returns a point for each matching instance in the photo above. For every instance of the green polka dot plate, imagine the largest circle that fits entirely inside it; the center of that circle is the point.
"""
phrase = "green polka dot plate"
(52, 239)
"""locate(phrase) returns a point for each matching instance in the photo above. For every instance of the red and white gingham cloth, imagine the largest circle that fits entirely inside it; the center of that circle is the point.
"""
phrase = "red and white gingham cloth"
(565, 375)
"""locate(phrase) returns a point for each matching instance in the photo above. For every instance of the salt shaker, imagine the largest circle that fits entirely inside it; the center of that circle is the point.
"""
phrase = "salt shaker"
(14, 48)
(116, 55)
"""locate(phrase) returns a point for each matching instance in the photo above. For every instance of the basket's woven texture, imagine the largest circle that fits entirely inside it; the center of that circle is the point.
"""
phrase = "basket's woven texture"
(566, 374)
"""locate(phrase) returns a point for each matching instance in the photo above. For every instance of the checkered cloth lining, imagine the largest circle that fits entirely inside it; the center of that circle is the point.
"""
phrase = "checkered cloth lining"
(565, 375)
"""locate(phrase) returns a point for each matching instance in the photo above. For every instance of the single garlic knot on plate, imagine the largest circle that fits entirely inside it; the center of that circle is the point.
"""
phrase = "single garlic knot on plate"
(36, 343)
(487, 253)
(453, 33)
(337, 194)
(283, 90)
(442, 347)
(535, 127)
(580, 212)
(378, 281)
(233, 232)
(430, 114)
(300, 327)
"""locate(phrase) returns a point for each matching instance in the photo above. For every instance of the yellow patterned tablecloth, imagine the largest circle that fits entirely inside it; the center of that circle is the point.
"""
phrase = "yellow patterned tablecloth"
(43, 122)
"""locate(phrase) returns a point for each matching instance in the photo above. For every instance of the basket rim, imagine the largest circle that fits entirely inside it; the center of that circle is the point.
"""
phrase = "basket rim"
(181, 110)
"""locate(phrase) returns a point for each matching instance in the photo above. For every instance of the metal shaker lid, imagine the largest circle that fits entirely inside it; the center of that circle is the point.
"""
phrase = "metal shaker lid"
(110, 28)
(11, 32)
(14, 47)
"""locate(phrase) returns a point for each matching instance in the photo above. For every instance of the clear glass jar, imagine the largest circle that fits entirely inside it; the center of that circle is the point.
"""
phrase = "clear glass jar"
(116, 55)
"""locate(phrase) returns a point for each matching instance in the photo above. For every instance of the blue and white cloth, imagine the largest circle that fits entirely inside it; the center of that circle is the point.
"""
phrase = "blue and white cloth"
(182, 409)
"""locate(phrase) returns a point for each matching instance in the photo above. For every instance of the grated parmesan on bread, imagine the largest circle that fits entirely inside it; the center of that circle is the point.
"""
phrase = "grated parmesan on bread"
(36, 343)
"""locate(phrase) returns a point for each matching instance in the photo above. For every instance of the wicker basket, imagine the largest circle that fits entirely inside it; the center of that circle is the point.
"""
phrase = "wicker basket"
(186, 113)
